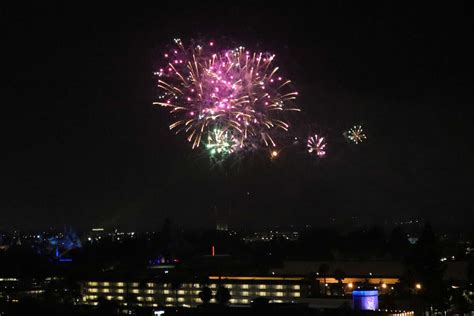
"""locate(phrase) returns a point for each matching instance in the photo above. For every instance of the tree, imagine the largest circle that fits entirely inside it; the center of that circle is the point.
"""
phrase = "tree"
(339, 275)
(428, 269)
(223, 295)
(205, 295)
(323, 271)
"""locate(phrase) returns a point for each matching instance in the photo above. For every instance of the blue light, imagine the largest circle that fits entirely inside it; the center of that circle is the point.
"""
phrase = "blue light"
(365, 299)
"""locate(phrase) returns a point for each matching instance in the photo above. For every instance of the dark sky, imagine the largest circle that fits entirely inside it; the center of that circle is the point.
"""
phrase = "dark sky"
(83, 145)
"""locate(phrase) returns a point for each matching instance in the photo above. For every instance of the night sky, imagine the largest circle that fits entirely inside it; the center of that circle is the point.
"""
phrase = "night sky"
(83, 145)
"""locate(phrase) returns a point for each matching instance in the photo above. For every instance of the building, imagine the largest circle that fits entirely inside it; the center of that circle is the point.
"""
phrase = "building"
(243, 290)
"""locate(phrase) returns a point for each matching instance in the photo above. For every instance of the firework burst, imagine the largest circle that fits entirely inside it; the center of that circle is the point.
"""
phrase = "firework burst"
(237, 92)
(356, 134)
(317, 145)
(220, 143)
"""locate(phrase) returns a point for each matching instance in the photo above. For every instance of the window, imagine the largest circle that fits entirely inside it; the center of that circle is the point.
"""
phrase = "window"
(169, 299)
(139, 298)
(244, 301)
(279, 287)
(92, 283)
(180, 299)
(181, 292)
(150, 292)
(105, 283)
(245, 286)
(296, 294)
(135, 291)
(296, 287)
(120, 284)
(262, 286)
(135, 284)
(105, 290)
(120, 291)
(262, 293)
(149, 299)
(245, 293)
(120, 298)
(166, 291)
(91, 290)
(279, 294)
(150, 284)
(109, 297)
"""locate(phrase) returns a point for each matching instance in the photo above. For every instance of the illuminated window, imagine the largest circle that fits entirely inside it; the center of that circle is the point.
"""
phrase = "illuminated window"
(120, 298)
(93, 290)
(229, 286)
(212, 286)
(139, 298)
(120, 291)
(296, 287)
(169, 299)
(233, 301)
(109, 297)
(296, 294)
(245, 293)
(279, 294)
(197, 300)
(196, 292)
(149, 299)
(262, 293)
(150, 292)
(180, 299)
(135, 284)
(166, 291)
(120, 284)
(105, 290)
(279, 287)
(181, 292)
(245, 286)
(105, 283)
(262, 286)
(150, 284)
(135, 291)
(197, 285)
(91, 297)
(92, 283)
(244, 301)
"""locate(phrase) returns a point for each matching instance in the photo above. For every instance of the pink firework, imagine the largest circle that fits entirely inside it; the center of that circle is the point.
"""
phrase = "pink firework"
(238, 91)
(316, 144)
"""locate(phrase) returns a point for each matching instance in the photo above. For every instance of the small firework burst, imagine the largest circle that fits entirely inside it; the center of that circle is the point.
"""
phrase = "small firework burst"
(317, 145)
(355, 134)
